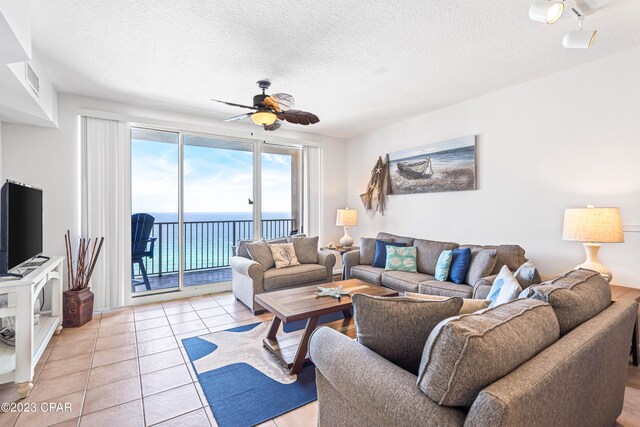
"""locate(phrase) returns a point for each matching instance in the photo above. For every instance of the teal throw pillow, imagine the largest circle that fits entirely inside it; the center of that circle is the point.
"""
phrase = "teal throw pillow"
(504, 289)
(401, 259)
(442, 267)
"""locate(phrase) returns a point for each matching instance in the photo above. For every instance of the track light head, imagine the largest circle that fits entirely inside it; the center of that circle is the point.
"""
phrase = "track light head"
(579, 39)
(547, 11)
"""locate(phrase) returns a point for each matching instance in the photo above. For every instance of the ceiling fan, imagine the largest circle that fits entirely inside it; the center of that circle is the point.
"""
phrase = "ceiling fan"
(270, 110)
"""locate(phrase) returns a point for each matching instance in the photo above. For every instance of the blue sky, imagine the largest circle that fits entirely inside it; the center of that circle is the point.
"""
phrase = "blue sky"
(215, 180)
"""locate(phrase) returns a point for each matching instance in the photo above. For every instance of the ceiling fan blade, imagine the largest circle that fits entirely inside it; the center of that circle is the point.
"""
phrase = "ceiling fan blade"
(284, 100)
(240, 117)
(275, 126)
(298, 117)
(233, 104)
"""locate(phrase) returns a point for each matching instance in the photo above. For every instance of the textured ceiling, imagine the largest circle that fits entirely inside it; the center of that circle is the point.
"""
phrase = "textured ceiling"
(357, 64)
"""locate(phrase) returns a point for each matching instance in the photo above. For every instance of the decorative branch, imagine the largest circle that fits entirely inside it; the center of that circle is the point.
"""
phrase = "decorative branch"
(85, 263)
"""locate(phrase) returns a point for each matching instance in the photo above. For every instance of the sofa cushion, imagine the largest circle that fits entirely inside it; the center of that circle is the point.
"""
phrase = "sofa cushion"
(368, 249)
(401, 259)
(277, 241)
(469, 305)
(306, 248)
(408, 241)
(260, 253)
(504, 289)
(466, 353)
(404, 281)
(380, 259)
(397, 328)
(368, 273)
(445, 289)
(575, 297)
(284, 255)
(443, 265)
(510, 255)
(428, 253)
(460, 261)
(276, 278)
(241, 248)
(527, 274)
(481, 265)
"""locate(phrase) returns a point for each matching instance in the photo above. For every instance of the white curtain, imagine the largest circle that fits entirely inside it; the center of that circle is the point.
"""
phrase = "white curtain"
(106, 205)
(313, 191)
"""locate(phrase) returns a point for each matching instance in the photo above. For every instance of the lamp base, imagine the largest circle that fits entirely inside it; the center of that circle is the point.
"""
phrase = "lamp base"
(346, 240)
(592, 263)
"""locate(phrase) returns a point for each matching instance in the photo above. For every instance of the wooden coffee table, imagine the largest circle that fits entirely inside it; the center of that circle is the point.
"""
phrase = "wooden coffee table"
(301, 303)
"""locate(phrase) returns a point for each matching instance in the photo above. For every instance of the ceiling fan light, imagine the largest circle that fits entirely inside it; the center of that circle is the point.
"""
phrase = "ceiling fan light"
(546, 11)
(263, 118)
(579, 39)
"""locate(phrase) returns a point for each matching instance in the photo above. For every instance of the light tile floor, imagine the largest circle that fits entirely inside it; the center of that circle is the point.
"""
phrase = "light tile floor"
(127, 367)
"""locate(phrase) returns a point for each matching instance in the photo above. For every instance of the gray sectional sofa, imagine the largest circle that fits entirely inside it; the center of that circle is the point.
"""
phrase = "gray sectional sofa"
(358, 265)
(249, 279)
(556, 358)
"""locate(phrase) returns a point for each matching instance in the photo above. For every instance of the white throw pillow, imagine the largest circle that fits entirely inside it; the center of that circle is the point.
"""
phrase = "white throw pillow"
(284, 255)
(504, 289)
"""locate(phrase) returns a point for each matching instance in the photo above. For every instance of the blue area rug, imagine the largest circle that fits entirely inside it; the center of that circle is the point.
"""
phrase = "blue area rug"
(242, 381)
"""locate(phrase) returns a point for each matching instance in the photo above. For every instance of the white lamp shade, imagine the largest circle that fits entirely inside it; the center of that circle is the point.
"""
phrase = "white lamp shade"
(347, 217)
(579, 39)
(597, 225)
(546, 11)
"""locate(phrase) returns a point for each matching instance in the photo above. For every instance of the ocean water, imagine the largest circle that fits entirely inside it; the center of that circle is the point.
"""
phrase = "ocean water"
(209, 238)
(215, 216)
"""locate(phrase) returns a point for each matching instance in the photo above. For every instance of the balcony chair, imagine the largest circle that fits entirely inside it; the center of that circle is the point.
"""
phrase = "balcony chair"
(141, 245)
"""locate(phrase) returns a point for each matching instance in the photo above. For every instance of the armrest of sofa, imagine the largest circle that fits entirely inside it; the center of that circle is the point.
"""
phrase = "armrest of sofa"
(247, 267)
(349, 260)
(329, 261)
(366, 379)
(482, 287)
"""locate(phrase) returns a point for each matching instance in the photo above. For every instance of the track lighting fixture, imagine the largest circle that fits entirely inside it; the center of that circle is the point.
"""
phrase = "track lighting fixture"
(548, 11)
(582, 39)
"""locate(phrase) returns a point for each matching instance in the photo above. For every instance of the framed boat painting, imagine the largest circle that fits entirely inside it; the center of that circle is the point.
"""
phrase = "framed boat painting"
(443, 166)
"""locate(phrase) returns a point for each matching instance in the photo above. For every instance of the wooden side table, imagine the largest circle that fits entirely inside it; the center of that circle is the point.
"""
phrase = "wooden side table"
(618, 293)
(339, 251)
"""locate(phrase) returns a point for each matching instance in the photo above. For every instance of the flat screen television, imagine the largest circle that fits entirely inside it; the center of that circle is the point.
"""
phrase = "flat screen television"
(21, 225)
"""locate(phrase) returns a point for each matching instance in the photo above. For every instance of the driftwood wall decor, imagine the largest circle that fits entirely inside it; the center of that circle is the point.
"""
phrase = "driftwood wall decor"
(374, 198)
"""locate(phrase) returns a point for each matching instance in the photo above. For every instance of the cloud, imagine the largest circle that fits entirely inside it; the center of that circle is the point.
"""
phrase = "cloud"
(215, 180)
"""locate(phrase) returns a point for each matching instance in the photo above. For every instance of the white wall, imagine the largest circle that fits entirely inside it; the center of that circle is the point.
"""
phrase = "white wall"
(49, 159)
(560, 141)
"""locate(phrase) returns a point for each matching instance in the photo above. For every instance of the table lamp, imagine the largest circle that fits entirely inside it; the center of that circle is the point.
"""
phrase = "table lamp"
(593, 226)
(346, 218)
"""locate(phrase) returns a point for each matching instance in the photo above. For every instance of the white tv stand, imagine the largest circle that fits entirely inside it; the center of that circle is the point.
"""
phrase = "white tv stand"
(17, 363)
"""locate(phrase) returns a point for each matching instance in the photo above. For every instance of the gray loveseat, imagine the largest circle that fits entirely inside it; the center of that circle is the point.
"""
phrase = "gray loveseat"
(357, 265)
(577, 380)
(248, 278)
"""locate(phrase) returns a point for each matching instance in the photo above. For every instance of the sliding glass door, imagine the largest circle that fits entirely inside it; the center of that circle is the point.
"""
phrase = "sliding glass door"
(218, 205)
(200, 194)
(281, 184)
(155, 203)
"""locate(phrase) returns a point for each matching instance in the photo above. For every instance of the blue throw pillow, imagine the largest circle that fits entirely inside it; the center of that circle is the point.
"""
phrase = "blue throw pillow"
(380, 259)
(443, 265)
(460, 260)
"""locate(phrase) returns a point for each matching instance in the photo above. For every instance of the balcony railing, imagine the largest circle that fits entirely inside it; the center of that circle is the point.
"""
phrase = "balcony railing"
(208, 244)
